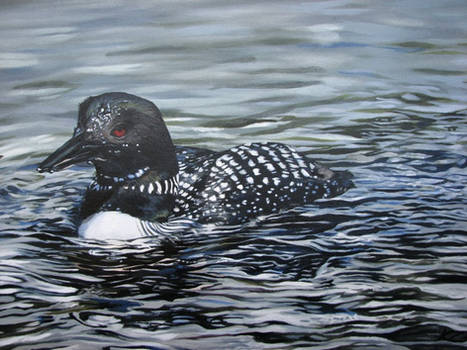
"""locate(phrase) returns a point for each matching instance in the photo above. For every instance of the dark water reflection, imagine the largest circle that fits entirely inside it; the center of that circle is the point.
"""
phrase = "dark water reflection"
(376, 88)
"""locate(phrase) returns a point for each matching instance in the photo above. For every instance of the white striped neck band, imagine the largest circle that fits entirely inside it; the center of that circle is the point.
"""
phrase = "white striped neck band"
(168, 186)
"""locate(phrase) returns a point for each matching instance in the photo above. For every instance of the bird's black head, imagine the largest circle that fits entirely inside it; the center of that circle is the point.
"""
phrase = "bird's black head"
(123, 135)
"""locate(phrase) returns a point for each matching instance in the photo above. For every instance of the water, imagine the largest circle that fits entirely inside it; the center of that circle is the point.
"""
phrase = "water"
(377, 88)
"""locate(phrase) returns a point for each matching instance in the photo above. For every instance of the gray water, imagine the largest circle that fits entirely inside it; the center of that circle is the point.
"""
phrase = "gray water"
(374, 87)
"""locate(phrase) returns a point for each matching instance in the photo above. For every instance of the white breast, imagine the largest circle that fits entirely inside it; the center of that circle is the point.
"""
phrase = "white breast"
(108, 225)
(114, 225)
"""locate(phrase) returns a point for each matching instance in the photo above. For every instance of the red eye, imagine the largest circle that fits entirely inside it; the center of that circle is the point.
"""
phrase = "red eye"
(119, 132)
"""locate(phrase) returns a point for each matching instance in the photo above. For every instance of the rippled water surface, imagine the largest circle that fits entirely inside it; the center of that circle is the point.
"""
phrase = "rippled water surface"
(375, 87)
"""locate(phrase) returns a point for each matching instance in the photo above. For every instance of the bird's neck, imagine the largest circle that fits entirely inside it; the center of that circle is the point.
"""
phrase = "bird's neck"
(150, 196)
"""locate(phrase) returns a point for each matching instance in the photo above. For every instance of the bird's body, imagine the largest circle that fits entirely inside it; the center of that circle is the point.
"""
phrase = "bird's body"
(235, 185)
(144, 182)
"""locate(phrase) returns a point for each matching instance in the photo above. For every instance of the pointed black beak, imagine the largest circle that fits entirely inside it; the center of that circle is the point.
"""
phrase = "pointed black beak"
(75, 150)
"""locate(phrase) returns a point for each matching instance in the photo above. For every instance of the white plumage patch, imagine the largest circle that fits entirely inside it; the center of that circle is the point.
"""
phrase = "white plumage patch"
(108, 225)
(115, 225)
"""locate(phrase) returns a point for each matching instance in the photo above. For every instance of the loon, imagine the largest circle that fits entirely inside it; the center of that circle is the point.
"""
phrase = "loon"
(144, 183)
